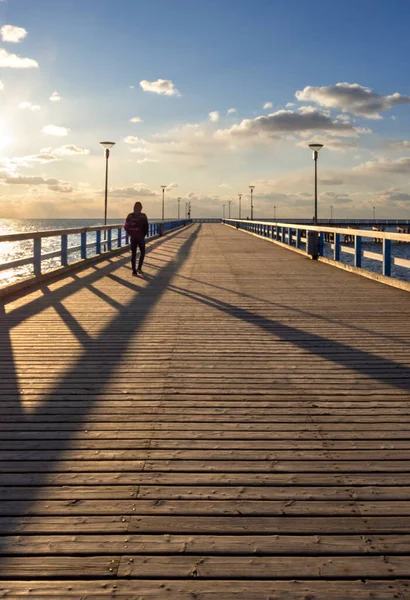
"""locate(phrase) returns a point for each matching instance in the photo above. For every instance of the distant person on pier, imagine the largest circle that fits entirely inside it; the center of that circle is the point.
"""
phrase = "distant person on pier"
(136, 225)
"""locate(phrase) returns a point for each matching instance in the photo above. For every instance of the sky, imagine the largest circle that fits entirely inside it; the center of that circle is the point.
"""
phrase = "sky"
(206, 97)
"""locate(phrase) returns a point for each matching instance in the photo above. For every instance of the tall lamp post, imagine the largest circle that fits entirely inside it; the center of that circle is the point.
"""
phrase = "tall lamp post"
(240, 206)
(179, 202)
(316, 149)
(274, 213)
(229, 208)
(163, 187)
(107, 147)
(251, 187)
(374, 213)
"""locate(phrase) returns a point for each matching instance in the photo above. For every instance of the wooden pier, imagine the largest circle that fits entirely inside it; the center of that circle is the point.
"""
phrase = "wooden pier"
(233, 426)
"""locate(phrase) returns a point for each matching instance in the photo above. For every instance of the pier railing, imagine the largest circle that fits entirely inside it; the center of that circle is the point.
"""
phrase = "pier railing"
(328, 244)
(73, 246)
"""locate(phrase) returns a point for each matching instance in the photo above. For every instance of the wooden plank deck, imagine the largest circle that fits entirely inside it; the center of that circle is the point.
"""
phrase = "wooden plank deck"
(233, 426)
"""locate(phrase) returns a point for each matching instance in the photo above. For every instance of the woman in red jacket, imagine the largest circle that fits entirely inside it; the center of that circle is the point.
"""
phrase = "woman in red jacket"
(136, 225)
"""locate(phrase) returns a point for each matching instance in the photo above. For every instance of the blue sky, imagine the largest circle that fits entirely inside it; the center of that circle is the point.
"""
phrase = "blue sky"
(213, 55)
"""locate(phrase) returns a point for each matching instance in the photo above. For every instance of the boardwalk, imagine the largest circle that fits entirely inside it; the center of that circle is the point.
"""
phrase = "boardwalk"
(234, 426)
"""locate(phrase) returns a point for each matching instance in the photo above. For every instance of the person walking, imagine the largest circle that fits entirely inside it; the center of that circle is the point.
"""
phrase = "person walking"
(136, 225)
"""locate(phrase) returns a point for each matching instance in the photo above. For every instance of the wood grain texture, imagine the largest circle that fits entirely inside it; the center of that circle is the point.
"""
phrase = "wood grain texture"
(233, 425)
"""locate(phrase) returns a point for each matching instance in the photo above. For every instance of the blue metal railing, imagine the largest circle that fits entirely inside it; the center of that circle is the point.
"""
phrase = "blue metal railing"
(317, 241)
(94, 241)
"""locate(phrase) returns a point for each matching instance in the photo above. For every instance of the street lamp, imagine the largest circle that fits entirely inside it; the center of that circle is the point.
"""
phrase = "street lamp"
(274, 213)
(240, 205)
(374, 213)
(316, 149)
(251, 187)
(107, 147)
(179, 201)
(163, 187)
(229, 208)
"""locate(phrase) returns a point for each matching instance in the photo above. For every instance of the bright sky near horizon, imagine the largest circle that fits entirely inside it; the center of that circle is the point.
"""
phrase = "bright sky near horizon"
(208, 97)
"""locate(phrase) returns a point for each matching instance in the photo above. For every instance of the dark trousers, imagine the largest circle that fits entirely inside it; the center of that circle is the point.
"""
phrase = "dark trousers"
(137, 243)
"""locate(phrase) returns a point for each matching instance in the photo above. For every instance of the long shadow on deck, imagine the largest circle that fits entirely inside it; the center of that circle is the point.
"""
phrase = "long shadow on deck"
(122, 326)
(353, 358)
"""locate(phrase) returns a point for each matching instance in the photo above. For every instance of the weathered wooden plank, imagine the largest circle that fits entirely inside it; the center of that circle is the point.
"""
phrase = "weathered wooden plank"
(274, 525)
(202, 589)
(59, 566)
(185, 491)
(264, 567)
(316, 545)
(67, 524)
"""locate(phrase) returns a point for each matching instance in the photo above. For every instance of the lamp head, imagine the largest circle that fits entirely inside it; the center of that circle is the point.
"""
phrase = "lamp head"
(251, 187)
(107, 145)
(316, 147)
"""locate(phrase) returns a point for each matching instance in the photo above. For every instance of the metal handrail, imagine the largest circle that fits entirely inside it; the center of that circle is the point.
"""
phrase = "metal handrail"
(102, 246)
(279, 231)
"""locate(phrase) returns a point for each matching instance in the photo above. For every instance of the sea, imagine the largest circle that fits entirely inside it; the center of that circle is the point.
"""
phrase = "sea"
(10, 251)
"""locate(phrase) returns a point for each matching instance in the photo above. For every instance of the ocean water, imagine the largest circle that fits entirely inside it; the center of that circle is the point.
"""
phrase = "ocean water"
(10, 251)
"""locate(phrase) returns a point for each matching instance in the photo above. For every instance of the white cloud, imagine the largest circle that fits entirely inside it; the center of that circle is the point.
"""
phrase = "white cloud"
(163, 87)
(353, 98)
(231, 111)
(286, 121)
(137, 191)
(70, 150)
(385, 165)
(141, 161)
(226, 186)
(140, 150)
(132, 87)
(55, 130)
(55, 97)
(12, 61)
(132, 139)
(54, 185)
(172, 186)
(13, 34)
(29, 106)
(214, 116)
(399, 145)
(267, 105)
(136, 120)
(290, 105)
(395, 195)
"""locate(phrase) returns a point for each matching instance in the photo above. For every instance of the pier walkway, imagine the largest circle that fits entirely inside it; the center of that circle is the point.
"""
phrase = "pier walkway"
(233, 426)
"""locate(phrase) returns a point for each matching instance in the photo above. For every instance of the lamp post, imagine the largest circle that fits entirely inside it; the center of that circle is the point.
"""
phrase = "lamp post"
(107, 147)
(163, 187)
(179, 202)
(229, 208)
(316, 149)
(274, 213)
(223, 211)
(374, 213)
(251, 187)
(240, 206)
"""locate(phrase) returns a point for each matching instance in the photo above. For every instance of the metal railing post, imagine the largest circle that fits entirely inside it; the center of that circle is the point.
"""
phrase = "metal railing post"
(387, 257)
(37, 256)
(357, 251)
(64, 250)
(336, 249)
(98, 242)
(83, 244)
